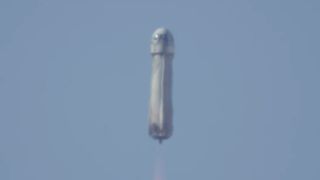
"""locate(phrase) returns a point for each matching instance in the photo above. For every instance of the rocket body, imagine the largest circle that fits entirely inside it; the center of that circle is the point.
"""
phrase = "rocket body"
(160, 110)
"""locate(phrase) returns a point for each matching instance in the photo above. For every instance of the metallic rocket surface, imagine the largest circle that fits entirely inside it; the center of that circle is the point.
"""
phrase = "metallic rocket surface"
(160, 110)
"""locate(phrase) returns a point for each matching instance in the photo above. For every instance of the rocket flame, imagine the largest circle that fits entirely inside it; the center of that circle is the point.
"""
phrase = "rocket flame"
(159, 171)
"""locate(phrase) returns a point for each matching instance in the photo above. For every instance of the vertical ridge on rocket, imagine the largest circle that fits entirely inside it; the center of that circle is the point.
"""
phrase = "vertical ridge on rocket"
(160, 107)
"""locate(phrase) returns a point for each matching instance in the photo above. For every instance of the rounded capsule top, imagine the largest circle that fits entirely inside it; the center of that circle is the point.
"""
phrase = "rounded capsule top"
(162, 42)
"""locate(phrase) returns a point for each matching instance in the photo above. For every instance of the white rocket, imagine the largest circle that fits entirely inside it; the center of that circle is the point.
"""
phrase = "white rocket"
(160, 110)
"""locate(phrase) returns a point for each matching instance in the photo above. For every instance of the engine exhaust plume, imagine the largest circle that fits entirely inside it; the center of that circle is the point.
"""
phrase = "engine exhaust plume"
(159, 168)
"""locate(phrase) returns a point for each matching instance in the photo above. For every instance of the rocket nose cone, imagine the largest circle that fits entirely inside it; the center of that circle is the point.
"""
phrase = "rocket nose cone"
(161, 30)
(162, 34)
(162, 41)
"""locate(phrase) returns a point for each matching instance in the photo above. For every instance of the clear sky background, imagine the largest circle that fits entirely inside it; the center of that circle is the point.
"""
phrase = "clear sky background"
(75, 84)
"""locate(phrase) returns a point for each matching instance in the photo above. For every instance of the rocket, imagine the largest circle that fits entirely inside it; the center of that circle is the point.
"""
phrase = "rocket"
(160, 107)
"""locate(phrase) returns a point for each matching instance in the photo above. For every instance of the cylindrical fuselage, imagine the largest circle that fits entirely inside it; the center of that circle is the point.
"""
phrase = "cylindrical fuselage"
(160, 110)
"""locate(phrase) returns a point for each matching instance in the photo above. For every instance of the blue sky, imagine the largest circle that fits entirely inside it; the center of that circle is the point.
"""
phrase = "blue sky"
(75, 81)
